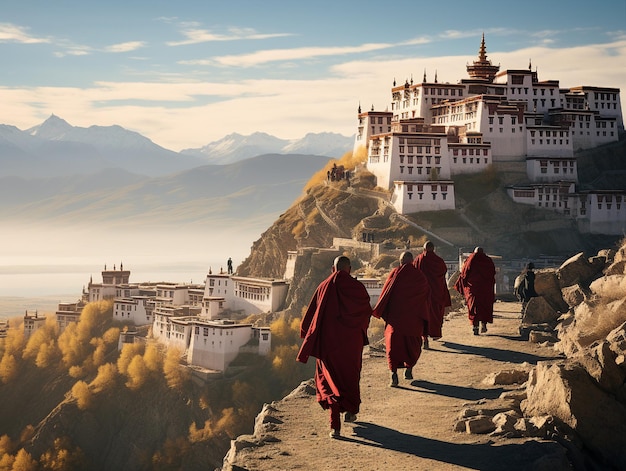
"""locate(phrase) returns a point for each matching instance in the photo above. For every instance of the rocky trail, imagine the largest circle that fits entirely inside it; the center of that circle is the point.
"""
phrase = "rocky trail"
(411, 427)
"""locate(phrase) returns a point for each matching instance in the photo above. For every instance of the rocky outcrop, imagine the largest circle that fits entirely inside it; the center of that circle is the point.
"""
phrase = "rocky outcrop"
(264, 424)
(579, 400)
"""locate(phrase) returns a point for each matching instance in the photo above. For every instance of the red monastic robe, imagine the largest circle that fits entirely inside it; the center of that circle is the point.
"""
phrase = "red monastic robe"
(334, 329)
(404, 304)
(476, 283)
(435, 269)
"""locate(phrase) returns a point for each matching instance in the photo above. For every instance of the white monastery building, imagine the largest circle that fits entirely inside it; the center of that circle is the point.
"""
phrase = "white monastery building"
(436, 131)
(186, 316)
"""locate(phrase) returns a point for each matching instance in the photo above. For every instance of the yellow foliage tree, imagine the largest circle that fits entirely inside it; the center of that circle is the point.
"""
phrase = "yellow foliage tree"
(8, 368)
(75, 341)
(129, 350)
(111, 336)
(77, 372)
(71, 347)
(175, 375)
(227, 423)
(27, 433)
(48, 354)
(24, 462)
(13, 346)
(6, 445)
(82, 394)
(284, 361)
(285, 332)
(153, 358)
(137, 373)
(106, 379)
(200, 434)
(62, 456)
(42, 338)
(6, 461)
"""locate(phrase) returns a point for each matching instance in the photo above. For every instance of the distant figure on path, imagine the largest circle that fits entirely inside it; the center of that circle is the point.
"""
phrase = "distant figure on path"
(524, 288)
(476, 283)
(334, 329)
(404, 305)
(435, 269)
(230, 266)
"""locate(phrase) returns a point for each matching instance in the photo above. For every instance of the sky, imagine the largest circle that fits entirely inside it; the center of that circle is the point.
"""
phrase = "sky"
(189, 72)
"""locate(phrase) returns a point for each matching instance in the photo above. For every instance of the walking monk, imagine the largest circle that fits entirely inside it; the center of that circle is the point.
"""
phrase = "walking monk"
(476, 283)
(334, 329)
(404, 305)
(435, 269)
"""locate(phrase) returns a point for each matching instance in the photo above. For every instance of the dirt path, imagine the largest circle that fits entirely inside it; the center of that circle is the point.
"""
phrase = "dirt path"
(411, 427)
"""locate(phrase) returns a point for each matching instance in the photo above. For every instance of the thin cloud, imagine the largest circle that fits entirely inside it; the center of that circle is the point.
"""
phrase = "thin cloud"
(10, 33)
(197, 36)
(125, 47)
(277, 55)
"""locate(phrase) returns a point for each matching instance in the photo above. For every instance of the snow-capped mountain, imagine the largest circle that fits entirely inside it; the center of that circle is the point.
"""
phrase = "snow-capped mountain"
(56, 148)
(236, 147)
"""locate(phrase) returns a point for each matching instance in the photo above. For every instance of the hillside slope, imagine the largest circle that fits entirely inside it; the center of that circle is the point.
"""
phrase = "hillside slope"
(485, 215)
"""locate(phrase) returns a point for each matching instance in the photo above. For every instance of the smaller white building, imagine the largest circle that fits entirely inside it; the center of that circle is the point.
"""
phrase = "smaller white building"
(135, 309)
(240, 293)
(68, 313)
(108, 288)
(214, 344)
(32, 323)
(415, 196)
(552, 169)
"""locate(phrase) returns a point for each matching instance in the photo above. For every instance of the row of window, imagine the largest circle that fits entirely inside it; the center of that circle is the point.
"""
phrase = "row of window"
(434, 195)
(471, 160)
(419, 159)
(420, 170)
(547, 142)
(470, 151)
(420, 149)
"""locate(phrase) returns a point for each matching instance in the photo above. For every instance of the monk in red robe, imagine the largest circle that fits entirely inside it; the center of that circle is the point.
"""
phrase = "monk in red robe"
(334, 329)
(476, 283)
(404, 305)
(435, 269)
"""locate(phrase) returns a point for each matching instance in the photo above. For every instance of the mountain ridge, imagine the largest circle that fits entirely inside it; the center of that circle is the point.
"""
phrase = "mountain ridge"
(55, 147)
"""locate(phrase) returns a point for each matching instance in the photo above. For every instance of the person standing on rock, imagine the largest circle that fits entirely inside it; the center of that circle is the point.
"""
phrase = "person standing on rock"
(404, 305)
(476, 283)
(435, 269)
(334, 329)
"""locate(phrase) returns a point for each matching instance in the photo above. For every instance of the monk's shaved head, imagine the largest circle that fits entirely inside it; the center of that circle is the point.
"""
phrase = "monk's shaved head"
(429, 246)
(406, 257)
(342, 263)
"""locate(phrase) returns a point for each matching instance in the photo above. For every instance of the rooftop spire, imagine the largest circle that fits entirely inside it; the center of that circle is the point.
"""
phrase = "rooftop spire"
(482, 52)
(482, 68)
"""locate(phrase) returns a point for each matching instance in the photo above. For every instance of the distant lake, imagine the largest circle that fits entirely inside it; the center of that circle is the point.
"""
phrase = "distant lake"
(40, 268)
(44, 286)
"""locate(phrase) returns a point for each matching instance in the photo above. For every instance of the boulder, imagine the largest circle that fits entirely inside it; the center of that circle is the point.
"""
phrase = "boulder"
(577, 269)
(539, 336)
(539, 311)
(616, 268)
(547, 286)
(507, 377)
(565, 390)
(609, 287)
(505, 423)
(617, 340)
(599, 362)
(573, 295)
(479, 424)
